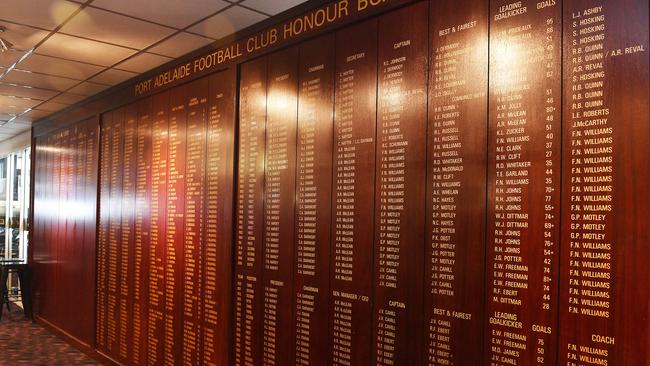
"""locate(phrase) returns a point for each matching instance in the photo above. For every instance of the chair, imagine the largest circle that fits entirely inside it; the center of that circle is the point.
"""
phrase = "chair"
(24, 278)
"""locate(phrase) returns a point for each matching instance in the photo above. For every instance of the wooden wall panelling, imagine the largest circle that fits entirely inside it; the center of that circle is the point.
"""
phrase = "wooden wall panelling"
(175, 236)
(400, 179)
(313, 204)
(249, 241)
(127, 239)
(353, 195)
(158, 217)
(114, 234)
(102, 232)
(279, 206)
(523, 183)
(73, 248)
(86, 277)
(114, 258)
(329, 263)
(71, 241)
(39, 209)
(193, 270)
(81, 250)
(48, 307)
(456, 193)
(218, 242)
(604, 271)
(58, 227)
(42, 268)
(60, 249)
(142, 233)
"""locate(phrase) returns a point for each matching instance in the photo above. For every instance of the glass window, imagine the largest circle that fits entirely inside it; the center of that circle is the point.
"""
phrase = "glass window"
(14, 204)
(3, 207)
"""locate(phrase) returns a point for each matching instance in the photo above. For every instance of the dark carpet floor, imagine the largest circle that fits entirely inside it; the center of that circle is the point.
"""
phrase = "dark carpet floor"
(25, 343)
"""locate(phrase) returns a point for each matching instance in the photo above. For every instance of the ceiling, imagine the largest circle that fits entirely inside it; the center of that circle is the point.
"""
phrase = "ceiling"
(65, 51)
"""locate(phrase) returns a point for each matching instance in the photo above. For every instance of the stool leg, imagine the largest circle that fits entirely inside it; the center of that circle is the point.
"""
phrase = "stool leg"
(4, 273)
(24, 277)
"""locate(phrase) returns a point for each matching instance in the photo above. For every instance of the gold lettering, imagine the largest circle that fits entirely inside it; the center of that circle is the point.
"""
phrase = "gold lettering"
(363, 4)
(143, 87)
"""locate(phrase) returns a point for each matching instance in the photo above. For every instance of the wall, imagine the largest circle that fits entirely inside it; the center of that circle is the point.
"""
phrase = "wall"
(166, 178)
(64, 225)
(439, 183)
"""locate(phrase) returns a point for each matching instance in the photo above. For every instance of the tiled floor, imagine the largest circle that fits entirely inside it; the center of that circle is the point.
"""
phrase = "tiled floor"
(23, 342)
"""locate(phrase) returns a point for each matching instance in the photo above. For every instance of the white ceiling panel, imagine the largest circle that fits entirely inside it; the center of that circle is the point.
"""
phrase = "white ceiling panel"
(43, 81)
(55, 66)
(46, 14)
(9, 57)
(26, 92)
(87, 88)
(34, 115)
(22, 37)
(17, 105)
(83, 50)
(83, 47)
(51, 107)
(6, 116)
(24, 103)
(143, 62)
(180, 44)
(6, 136)
(178, 14)
(227, 22)
(272, 7)
(109, 27)
(113, 76)
(23, 121)
(68, 98)
(12, 109)
(12, 128)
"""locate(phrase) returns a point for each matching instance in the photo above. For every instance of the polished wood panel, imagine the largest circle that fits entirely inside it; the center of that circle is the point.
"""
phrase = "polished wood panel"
(102, 231)
(194, 231)
(457, 152)
(142, 233)
(115, 172)
(187, 318)
(158, 217)
(402, 197)
(279, 197)
(523, 183)
(38, 254)
(604, 288)
(68, 193)
(218, 249)
(175, 236)
(64, 243)
(351, 267)
(248, 294)
(313, 216)
(126, 247)
(86, 279)
(400, 187)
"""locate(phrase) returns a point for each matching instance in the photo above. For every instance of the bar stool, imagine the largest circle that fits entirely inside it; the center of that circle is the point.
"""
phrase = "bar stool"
(4, 291)
(5, 301)
(24, 278)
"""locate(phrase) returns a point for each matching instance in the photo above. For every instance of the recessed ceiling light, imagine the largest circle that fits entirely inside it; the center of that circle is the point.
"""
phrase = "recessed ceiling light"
(4, 44)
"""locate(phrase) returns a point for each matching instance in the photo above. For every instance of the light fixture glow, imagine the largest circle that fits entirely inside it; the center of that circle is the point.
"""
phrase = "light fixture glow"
(4, 44)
